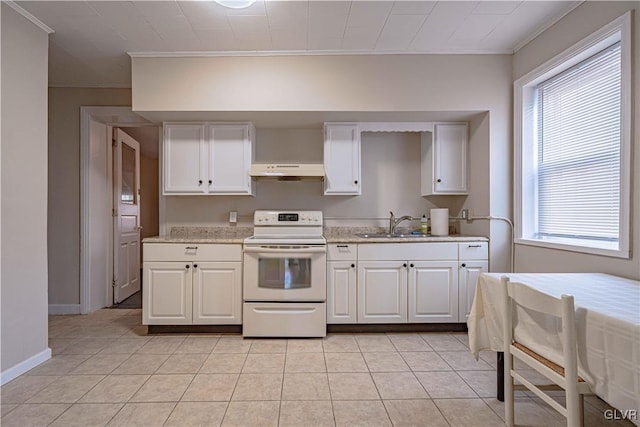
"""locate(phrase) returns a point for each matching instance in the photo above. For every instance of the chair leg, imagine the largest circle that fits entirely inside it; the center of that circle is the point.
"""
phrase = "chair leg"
(508, 391)
(574, 407)
(581, 409)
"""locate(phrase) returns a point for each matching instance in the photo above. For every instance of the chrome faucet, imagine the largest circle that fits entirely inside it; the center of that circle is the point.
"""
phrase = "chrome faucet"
(393, 222)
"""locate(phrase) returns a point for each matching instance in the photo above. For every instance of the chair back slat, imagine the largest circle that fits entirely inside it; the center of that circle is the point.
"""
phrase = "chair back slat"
(534, 300)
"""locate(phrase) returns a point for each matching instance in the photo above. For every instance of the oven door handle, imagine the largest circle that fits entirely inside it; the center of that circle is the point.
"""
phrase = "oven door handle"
(300, 251)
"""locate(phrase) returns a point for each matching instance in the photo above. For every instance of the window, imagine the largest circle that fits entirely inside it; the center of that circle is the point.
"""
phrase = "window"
(573, 147)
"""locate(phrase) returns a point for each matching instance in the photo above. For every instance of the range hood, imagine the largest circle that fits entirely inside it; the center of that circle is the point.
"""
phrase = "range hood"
(288, 171)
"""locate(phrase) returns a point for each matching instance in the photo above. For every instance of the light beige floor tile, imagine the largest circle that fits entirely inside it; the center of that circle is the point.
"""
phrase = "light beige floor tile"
(258, 387)
(250, 414)
(484, 383)
(141, 364)
(425, 361)
(464, 361)
(374, 343)
(125, 345)
(163, 388)
(114, 389)
(422, 412)
(529, 413)
(444, 342)
(345, 362)
(142, 414)
(197, 414)
(59, 365)
(100, 364)
(398, 385)
(66, 389)
(366, 413)
(219, 363)
(211, 387)
(58, 345)
(182, 364)
(268, 346)
(352, 386)
(340, 343)
(6, 408)
(409, 342)
(305, 362)
(385, 362)
(306, 413)
(468, 413)
(463, 337)
(87, 346)
(197, 345)
(161, 345)
(258, 363)
(87, 415)
(232, 345)
(304, 345)
(444, 385)
(490, 357)
(25, 387)
(305, 386)
(35, 415)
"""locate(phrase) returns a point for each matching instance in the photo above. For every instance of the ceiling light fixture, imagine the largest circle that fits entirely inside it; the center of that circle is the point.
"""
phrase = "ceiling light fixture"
(235, 4)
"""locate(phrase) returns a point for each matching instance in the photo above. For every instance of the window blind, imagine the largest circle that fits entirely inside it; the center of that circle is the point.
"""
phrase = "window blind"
(578, 150)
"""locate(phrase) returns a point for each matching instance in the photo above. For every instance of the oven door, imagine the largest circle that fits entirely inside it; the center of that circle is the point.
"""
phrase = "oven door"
(285, 273)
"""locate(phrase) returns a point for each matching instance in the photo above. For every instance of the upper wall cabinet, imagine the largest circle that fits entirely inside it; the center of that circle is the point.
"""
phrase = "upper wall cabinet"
(342, 159)
(444, 159)
(208, 158)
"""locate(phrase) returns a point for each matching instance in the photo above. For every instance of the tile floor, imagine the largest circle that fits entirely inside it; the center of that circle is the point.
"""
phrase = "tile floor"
(105, 370)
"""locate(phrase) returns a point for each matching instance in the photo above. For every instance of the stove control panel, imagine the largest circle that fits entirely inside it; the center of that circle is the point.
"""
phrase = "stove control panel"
(288, 218)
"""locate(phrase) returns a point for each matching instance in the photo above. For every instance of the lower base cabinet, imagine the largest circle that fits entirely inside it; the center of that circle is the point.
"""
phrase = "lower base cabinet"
(193, 290)
(382, 292)
(433, 292)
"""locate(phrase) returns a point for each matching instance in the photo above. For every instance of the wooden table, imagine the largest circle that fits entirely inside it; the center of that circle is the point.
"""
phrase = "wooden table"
(607, 322)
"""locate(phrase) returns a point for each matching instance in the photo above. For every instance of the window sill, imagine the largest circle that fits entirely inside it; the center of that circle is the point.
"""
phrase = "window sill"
(562, 245)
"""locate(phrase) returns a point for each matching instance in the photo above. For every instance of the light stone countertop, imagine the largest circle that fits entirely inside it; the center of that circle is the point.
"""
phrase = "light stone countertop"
(203, 235)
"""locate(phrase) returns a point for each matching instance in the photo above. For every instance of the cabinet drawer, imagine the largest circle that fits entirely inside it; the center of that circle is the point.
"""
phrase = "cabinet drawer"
(408, 251)
(192, 252)
(342, 252)
(473, 250)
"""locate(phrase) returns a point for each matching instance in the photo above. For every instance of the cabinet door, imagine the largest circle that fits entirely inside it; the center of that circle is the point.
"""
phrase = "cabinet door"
(433, 291)
(184, 159)
(166, 293)
(450, 158)
(217, 293)
(469, 272)
(382, 292)
(230, 155)
(341, 292)
(342, 159)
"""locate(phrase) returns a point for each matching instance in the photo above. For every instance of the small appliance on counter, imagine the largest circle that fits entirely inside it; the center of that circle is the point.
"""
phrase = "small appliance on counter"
(284, 276)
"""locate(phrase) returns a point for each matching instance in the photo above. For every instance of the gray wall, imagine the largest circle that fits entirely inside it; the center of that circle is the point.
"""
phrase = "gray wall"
(582, 21)
(23, 259)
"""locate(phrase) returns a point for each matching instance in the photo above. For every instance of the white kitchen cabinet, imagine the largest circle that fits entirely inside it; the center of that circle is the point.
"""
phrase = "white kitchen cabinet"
(186, 284)
(473, 261)
(382, 292)
(433, 291)
(342, 159)
(208, 158)
(444, 159)
(341, 283)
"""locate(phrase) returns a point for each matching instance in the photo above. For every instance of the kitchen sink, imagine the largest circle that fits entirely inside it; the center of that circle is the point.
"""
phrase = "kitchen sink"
(387, 236)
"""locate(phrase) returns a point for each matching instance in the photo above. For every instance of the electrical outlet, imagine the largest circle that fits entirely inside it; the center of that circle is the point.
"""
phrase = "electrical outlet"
(233, 217)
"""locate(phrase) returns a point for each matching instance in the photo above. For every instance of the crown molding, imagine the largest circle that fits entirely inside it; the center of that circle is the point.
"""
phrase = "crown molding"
(29, 16)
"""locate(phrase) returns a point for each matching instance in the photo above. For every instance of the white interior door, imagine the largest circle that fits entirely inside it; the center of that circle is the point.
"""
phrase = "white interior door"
(126, 216)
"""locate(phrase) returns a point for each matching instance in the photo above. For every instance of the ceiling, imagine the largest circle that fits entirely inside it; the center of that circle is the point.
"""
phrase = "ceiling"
(91, 40)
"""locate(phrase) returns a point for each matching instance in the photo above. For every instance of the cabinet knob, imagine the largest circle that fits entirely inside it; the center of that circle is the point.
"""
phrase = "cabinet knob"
(463, 265)
(355, 182)
(404, 265)
(411, 265)
(187, 266)
(353, 266)
(199, 182)
(438, 180)
(210, 182)
(195, 266)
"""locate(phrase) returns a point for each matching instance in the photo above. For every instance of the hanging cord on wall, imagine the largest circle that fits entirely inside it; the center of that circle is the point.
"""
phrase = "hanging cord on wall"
(471, 218)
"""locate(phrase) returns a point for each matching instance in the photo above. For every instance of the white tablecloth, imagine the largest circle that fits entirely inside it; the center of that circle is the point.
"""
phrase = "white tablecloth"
(607, 322)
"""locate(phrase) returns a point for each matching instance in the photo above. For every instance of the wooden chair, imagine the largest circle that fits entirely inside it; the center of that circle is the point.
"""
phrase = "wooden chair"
(566, 376)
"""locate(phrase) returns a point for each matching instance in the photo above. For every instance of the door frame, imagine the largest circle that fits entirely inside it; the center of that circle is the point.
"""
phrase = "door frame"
(112, 117)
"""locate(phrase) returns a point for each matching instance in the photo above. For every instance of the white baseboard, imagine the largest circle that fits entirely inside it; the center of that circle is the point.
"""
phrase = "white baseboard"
(22, 367)
(64, 308)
